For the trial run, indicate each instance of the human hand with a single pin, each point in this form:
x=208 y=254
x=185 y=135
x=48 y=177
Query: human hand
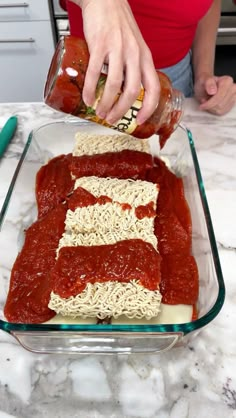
x=216 y=95
x=113 y=37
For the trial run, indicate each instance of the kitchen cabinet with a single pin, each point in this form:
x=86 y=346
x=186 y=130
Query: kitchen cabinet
x=17 y=10
x=26 y=49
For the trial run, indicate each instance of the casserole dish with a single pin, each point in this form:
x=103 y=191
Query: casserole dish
x=19 y=211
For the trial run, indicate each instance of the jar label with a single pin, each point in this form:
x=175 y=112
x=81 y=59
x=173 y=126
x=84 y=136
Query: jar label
x=128 y=122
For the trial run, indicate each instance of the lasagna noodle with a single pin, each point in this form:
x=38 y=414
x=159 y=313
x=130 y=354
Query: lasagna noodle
x=106 y=218
x=89 y=144
x=109 y=299
x=110 y=237
x=105 y=224
x=132 y=192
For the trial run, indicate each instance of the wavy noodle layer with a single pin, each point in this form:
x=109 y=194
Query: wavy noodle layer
x=133 y=192
x=111 y=237
x=106 y=218
x=89 y=144
x=109 y=299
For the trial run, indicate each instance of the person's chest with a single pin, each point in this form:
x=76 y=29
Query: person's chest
x=172 y=11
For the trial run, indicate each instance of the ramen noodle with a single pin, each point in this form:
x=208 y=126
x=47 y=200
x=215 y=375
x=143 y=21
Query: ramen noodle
x=110 y=299
x=104 y=218
x=89 y=144
x=132 y=192
x=70 y=239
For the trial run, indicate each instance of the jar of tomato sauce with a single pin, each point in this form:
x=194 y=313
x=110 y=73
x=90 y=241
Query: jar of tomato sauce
x=64 y=86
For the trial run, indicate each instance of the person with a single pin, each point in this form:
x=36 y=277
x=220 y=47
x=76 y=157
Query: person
x=136 y=37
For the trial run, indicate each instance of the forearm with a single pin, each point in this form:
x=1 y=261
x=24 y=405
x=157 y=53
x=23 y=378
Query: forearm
x=205 y=41
x=80 y=3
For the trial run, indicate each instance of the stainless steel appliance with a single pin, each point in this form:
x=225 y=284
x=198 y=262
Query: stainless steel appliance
x=225 y=57
x=58 y=10
x=227 y=28
x=60 y=20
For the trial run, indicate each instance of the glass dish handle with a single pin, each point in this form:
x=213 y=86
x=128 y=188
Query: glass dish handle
x=70 y=342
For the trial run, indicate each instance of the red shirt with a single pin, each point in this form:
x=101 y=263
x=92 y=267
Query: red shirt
x=168 y=26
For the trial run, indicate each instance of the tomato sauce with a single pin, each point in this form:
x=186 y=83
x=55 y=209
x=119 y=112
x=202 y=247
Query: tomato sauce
x=123 y=261
x=30 y=287
x=171 y=200
x=172 y=237
x=81 y=198
x=63 y=90
x=167 y=129
x=173 y=228
x=123 y=165
x=144 y=211
x=195 y=312
x=179 y=280
x=126 y=206
x=53 y=183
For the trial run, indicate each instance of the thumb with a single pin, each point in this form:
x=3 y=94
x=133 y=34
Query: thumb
x=211 y=86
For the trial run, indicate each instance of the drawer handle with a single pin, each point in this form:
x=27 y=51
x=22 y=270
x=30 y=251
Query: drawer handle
x=6 y=6
x=227 y=31
x=17 y=41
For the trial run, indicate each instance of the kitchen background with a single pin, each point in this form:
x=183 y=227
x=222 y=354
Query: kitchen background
x=30 y=30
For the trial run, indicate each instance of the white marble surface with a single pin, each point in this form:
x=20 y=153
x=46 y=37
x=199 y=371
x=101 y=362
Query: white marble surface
x=197 y=381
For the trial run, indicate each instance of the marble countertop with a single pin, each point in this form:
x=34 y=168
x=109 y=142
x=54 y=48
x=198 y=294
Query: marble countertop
x=197 y=381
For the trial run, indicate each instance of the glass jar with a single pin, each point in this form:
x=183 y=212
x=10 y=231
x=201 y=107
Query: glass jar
x=64 y=86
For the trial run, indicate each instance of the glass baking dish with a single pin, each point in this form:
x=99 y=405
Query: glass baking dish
x=19 y=211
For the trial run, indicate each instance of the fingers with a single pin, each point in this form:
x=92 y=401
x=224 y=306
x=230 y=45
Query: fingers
x=224 y=99
x=131 y=87
x=227 y=102
x=211 y=86
x=120 y=72
x=148 y=79
x=144 y=75
x=132 y=76
x=112 y=88
x=151 y=85
x=92 y=75
x=220 y=111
